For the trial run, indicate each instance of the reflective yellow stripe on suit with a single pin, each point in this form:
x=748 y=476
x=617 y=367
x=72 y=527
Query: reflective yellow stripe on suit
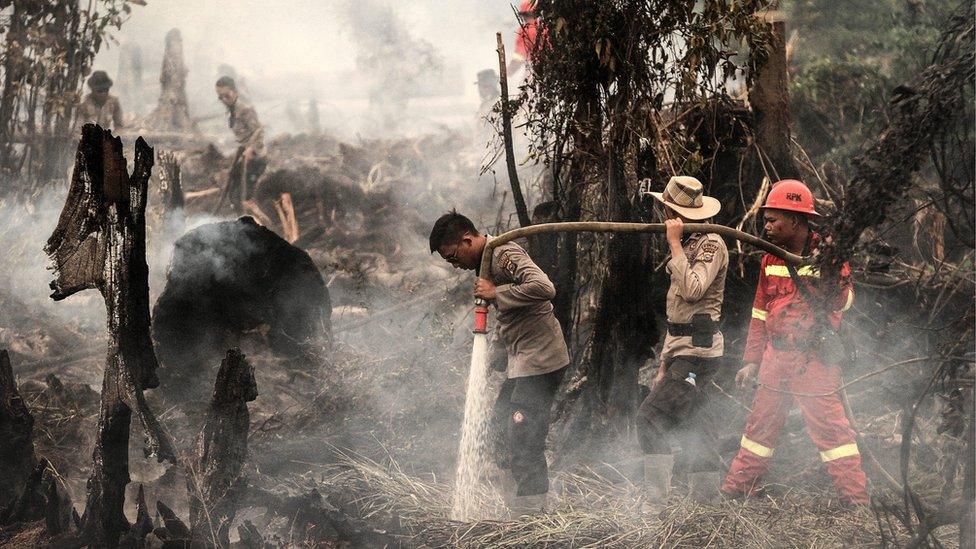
x=756 y=448
x=759 y=313
x=844 y=451
x=783 y=272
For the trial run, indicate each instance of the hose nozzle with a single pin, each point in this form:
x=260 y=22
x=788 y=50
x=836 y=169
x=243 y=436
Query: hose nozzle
x=480 y=316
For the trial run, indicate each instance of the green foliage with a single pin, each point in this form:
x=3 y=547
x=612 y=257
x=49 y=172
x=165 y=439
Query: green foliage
x=605 y=71
x=47 y=49
x=837 y=105
x=849 y=55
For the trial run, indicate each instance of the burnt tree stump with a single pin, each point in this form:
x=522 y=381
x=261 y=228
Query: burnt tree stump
x=217 y=482
x=100 y=242
x=16 y=428
x=44 y=496
x=172 y=112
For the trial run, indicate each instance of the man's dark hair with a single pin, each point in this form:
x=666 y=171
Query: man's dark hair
x=800 y=218
x=226 y=82
x=449 y=229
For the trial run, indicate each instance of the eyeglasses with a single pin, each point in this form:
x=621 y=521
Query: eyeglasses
x=454 y=255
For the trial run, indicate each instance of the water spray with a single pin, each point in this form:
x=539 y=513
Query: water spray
x=472 y=455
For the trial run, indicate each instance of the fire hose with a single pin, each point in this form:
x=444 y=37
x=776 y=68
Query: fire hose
x=481 y=307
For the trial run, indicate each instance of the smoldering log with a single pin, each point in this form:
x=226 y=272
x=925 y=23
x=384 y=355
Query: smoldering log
x=217 y=481
x=229 y=278
x=100 y=242
x=16 y=430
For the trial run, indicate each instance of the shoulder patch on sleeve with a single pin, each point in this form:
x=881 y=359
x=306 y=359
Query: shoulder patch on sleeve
x=509 y=265
x=505 y=264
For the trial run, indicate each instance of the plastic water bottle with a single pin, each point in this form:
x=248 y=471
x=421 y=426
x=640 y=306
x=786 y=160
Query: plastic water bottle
x=691 y=379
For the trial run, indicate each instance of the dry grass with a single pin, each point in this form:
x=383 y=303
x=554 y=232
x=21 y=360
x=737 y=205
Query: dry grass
x=592 y=511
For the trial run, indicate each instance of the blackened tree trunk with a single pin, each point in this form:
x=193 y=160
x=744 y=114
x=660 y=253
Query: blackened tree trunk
x=216 y=482
x=100 y=242
x=16 y=445
x=624 y=325
x=769 y=98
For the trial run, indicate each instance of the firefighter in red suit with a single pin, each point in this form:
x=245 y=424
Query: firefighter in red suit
x=784 y=348
x=525 y=37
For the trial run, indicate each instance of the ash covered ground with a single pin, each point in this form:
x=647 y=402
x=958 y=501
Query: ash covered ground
x=360 y=338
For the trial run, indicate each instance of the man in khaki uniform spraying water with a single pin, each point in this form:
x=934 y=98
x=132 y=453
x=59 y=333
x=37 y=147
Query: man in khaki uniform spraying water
x=693 y=345
x=537 y=355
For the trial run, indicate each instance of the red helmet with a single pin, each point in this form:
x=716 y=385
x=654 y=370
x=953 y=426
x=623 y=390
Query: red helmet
x=791 y=195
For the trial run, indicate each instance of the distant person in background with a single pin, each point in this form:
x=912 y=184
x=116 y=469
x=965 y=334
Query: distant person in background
x=99 y=107
x=525 y=37
x=251 y=159
x=488 y=90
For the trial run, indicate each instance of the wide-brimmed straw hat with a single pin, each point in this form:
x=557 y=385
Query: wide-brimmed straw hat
x=685 y=195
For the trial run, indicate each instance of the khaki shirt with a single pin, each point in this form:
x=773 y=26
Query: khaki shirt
x=108 y=116
x=247 y=129
x=532 y=335
x=697 y=286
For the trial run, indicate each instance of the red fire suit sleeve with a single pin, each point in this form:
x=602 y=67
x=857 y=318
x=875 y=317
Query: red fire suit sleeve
x=756 y=341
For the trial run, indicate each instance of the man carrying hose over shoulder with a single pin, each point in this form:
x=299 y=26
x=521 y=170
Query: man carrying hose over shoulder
x=793 y=347
x=693 y=345
x=537 y=354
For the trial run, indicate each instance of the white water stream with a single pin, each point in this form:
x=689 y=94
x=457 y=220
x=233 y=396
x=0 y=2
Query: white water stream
x=473 y=453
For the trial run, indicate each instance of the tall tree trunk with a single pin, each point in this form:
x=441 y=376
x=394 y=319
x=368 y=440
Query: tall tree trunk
x=769 y=97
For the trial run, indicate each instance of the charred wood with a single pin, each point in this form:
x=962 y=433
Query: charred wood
x=44 y=496
x=217 y=481
x=169 y=177
x=250 y=536
x=100 y=242
x=173 y=533
x=313 y=517
x=16 y=428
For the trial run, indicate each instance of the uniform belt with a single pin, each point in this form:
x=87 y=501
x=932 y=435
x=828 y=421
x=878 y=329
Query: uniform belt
x=679 y=329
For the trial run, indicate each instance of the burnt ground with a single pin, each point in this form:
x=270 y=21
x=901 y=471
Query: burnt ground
x=373 y=422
